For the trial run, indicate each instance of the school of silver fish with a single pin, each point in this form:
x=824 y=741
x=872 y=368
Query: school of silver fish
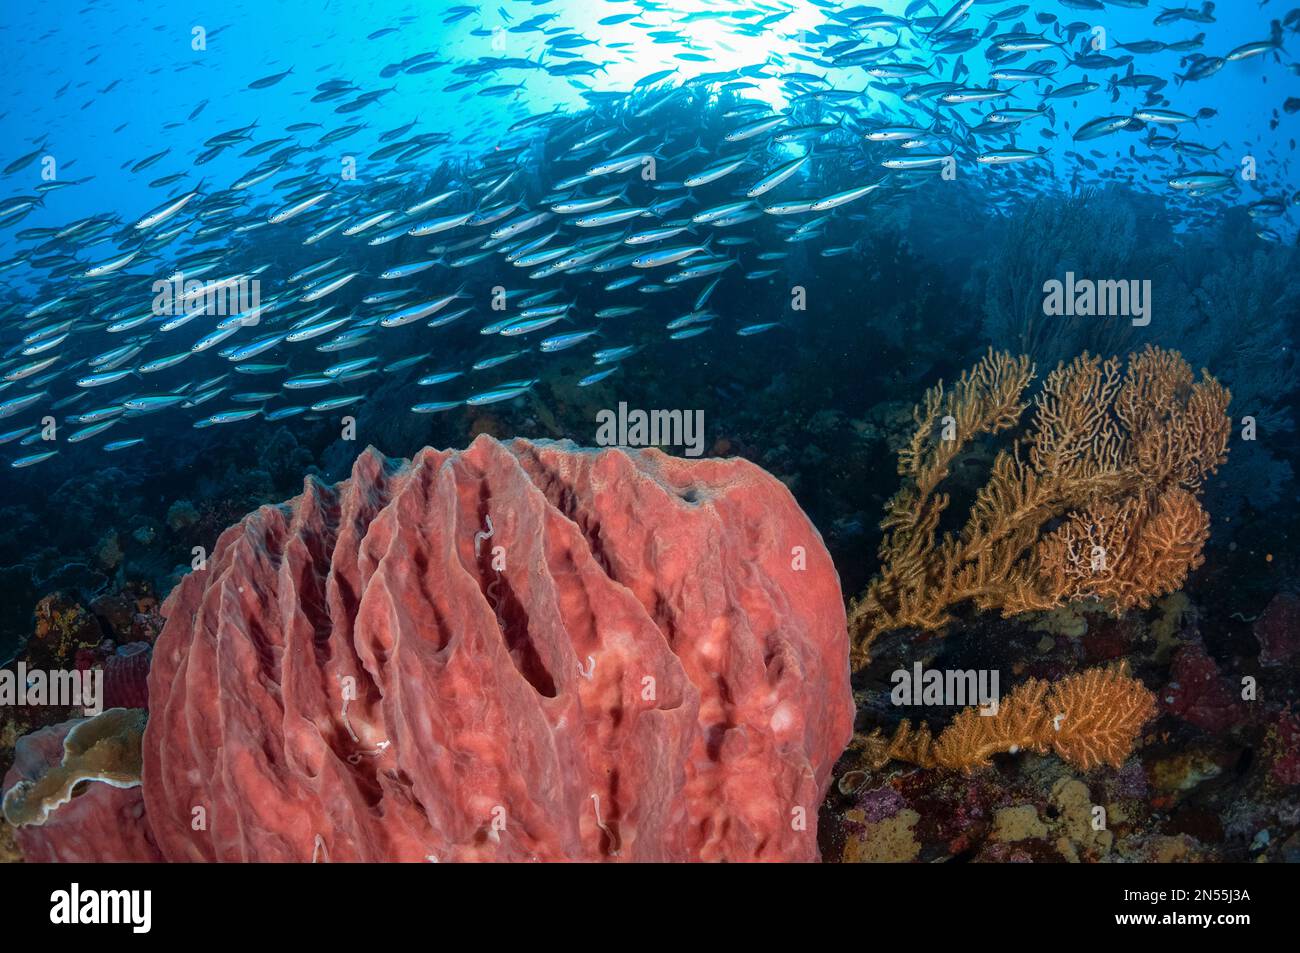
x=600 y=228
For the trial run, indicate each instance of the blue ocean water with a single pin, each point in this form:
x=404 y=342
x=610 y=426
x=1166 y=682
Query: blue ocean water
x=61 y=64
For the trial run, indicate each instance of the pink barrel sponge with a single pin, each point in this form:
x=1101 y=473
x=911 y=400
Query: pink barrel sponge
x=520 y=651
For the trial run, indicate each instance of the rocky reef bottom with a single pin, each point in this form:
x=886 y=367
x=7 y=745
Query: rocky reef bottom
x=1215 y=777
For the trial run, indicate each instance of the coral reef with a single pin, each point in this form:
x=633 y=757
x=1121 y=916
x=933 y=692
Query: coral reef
x=1212 y=777
x=1116 y=457
x=63 y=626
x=1198 y=693
x=1278 y=630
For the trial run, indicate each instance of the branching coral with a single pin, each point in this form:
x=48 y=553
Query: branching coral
x=1088 y=719
x=1095 y=499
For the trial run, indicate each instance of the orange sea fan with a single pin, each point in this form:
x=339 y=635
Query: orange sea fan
x=1088 y=719
x=1127 y=552
x=1095 y=716
x=1115 y=455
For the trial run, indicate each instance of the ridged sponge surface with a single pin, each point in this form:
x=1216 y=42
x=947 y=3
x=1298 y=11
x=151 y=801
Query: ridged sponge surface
x=520 y=651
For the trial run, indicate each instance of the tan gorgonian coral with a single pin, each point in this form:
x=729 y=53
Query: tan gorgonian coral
x=1089 y=718
x=1096 y=499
